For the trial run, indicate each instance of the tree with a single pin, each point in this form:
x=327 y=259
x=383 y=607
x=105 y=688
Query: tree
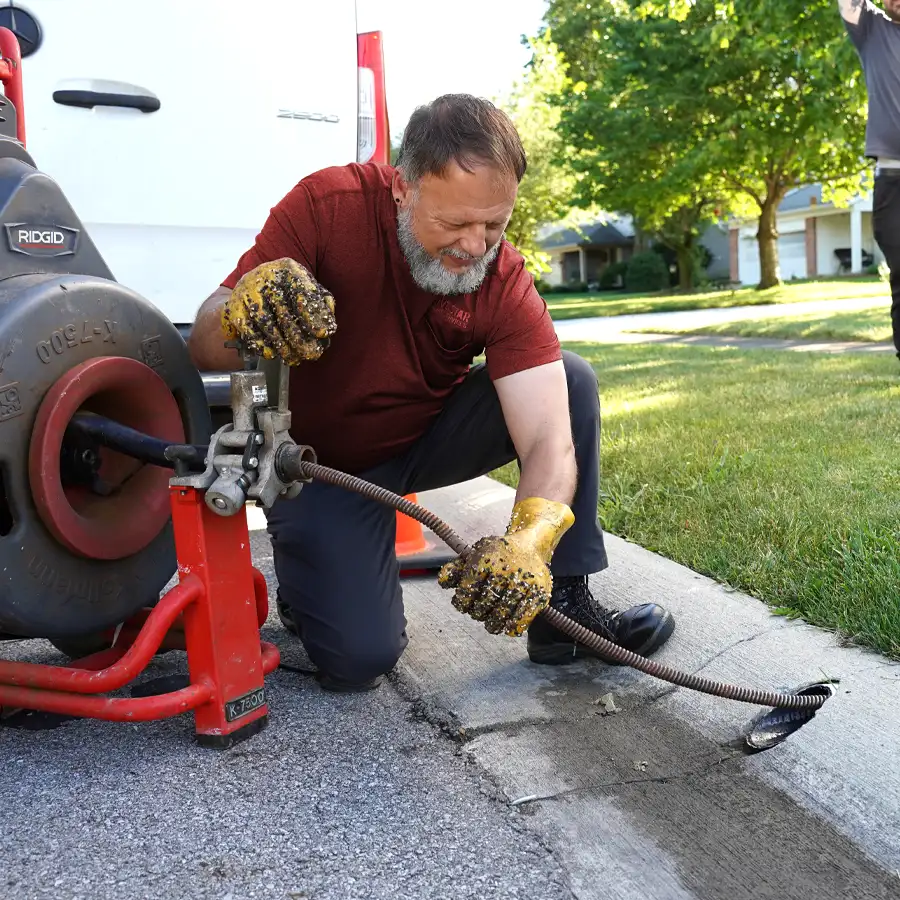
x=750 y=99
x=545 y=194
x=632 y=151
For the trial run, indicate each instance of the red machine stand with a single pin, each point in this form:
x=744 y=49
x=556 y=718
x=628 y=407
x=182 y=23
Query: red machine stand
x=214 y=613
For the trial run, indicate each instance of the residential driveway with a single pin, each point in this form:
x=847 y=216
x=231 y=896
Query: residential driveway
x=609 y=329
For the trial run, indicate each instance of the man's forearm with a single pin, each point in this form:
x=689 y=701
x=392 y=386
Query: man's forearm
x=206 y=344
x=550 y=472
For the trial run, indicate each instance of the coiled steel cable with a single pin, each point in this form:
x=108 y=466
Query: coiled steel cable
x=294 y=468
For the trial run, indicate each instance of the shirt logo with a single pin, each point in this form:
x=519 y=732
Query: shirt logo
x=452 y=313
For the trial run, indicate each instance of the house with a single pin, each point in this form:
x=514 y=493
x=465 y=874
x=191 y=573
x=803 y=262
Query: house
x=580 y=254
x=814 y=238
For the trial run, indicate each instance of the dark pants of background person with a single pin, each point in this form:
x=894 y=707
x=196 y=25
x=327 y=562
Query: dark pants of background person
x=886 y=224
x=334 y=550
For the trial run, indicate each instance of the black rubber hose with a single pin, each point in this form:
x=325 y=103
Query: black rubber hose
x=293 y=468
x=140 y=446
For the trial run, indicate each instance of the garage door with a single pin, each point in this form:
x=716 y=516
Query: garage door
x=791 y=257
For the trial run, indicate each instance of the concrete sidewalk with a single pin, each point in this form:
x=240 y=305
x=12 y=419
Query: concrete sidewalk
x=585 y=329
x=742 y=343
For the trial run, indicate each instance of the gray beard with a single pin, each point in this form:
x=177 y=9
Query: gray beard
x=429 y=273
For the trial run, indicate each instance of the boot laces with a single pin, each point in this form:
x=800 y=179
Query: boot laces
x=573 y=598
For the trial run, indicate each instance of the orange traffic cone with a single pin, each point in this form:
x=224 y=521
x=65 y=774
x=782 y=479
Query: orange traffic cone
x=416 y=553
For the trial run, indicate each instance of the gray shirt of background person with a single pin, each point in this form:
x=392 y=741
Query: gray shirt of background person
x=877 y=40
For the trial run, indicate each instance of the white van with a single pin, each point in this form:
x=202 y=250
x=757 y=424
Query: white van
x=174 y=126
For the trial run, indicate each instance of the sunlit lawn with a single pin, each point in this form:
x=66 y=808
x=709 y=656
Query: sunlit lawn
x=869 y=324
x=573 y=306
x=774 y=473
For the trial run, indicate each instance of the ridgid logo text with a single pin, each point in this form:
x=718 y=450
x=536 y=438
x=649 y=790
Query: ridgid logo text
x=41 y=240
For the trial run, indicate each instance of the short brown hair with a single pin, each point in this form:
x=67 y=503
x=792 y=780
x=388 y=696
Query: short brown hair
x=463 y=129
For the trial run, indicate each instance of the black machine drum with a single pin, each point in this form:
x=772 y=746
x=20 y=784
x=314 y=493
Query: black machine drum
x=58 y=312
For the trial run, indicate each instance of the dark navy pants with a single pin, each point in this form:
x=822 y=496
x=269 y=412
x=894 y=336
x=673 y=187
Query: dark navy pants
x=334 y=550
x=886 y=225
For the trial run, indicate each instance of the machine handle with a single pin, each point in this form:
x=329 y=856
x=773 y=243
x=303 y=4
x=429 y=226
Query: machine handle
x=107 y=93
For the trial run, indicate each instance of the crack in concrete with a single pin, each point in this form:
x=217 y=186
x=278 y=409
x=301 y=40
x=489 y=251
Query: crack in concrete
x=873 y=668
x=730 y=647
x=509 y=729
x=662 y=695
x=658 y=779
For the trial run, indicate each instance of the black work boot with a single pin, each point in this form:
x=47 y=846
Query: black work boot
x=642 y=629
x=339 y=686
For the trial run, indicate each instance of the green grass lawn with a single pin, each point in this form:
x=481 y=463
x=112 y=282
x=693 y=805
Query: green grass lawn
x=575 y=306
x=774 y=473
x=869 y=324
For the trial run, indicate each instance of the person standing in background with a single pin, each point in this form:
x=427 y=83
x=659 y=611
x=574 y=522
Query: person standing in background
x=875 y=33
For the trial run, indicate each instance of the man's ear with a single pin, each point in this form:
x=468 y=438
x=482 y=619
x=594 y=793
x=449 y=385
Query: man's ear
x=402 y=190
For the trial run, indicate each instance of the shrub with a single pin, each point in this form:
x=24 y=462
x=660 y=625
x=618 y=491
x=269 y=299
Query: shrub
x=646 y=272
x=612 y=274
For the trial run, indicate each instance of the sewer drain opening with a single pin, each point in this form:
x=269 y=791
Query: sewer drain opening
x=774 y=727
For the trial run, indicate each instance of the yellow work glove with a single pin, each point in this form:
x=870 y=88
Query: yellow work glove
x=279 y=310
x=505 y=581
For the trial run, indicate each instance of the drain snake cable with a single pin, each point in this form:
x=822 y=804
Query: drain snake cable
x=607 y=649
x=293 y=467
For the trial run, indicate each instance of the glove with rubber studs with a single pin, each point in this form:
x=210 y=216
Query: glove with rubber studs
x=505 y=581
x=278 y=310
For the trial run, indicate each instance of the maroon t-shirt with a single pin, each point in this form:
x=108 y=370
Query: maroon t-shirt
x=398 y=350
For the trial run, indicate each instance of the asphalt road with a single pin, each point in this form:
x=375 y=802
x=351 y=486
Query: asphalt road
x=342 y=797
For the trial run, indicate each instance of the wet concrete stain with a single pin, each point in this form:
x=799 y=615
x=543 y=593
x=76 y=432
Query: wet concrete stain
x=721 y=831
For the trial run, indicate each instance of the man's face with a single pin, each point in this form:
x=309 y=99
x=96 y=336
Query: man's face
x=892 y=8
x=450 y=227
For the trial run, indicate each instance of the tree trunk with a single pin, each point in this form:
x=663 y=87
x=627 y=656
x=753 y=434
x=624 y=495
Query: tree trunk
x=641 y=239
x=685 y=255
x=767 y=238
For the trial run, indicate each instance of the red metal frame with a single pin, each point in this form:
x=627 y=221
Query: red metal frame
x=214 y=612
x=370 y=55
x=11 y=76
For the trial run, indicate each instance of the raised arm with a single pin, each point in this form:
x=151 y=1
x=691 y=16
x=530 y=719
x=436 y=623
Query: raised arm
x=851 y=10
